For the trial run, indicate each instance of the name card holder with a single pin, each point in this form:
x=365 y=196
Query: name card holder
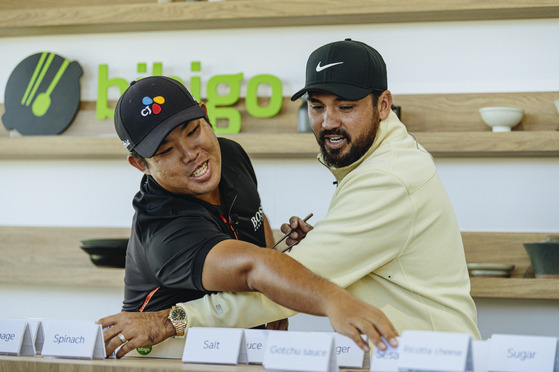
x=514 y=353
x=348 y=354
x=215 y=346
x=300 y=351
x=435 y=351
x=480 y=352
x=15 y=338
x=73 y=339
x=385 y=360
x=256 y=344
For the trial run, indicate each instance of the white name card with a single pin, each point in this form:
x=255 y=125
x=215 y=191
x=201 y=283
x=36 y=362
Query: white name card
x=15 y=338
x=36 y=329
x=435 y=351
x=215 y=346
x=73 y=339
x=513 y=353
x=385 y=360
x=37 y=334
x=256 y=344
x=300 y=351
x=349 y=354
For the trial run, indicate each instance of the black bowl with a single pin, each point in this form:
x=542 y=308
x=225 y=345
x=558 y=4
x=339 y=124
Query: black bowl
x=545 y=258
x=106 y=252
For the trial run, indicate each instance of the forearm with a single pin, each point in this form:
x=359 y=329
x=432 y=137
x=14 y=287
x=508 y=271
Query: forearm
x=235 y=266
x=290 y=284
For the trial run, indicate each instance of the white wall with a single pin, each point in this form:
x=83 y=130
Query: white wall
x=447 y=57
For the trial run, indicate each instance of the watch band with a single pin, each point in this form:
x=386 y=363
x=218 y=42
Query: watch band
x=178 y=318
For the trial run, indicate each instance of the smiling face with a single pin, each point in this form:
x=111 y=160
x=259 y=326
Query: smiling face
x=344 y=129
x=187 y=162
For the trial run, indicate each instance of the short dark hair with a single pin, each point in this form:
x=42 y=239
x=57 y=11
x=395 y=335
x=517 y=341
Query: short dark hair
x=375 y=94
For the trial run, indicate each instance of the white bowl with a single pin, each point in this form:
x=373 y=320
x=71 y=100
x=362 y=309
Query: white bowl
x=501 y=119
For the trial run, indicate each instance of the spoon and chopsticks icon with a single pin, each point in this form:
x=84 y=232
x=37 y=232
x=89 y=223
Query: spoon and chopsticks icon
x=286 y=235
x=42 y=101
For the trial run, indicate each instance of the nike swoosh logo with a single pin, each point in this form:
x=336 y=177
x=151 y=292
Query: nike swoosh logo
x=320 y=68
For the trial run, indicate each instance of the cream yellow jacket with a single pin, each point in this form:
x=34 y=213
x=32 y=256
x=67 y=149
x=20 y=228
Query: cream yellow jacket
x=390 y=237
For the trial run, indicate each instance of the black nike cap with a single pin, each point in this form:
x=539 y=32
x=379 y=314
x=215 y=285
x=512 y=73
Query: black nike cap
x=349 y=69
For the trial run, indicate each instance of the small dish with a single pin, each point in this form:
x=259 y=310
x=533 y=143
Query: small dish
x=501 y=119
x=106 y=252
x=490 y=270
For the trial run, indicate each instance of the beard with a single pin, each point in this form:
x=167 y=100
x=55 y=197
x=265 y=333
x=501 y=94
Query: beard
x=357 y=146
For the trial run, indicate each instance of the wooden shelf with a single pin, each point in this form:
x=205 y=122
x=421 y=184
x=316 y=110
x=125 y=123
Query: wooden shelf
x=521 y=288
x=51 y=256
x=258 y=13
x=302 y=145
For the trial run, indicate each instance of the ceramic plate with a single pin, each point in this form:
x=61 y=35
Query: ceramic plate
x=487 y=266
x=493 y=270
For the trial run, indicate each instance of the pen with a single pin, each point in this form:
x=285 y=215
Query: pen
x=286 y=235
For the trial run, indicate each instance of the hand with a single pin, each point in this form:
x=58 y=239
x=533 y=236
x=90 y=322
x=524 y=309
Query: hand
x=140 y=329
x=278 y=325
x=297 y=229
x=353 y=317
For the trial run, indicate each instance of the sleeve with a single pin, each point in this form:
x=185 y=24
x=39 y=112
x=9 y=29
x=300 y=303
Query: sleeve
x=176 y=251
x=234 y=310
x=368 y=224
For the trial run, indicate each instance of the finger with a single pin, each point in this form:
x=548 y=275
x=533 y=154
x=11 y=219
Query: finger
x=284 y=324
x=126 y=348
x=111 y=332
x=285 y=228
x=370 y=330
x=295 y=222
x=387 y=330
x=113 y=344
x=107 y=321
x=355 y=335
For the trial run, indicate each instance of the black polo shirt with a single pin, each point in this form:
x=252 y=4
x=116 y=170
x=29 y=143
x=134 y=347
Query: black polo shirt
x=172 y=234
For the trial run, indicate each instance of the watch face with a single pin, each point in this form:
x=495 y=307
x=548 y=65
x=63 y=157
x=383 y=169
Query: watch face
x=178 y=314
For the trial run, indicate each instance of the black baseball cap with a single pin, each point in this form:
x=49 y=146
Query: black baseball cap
x=150 y=109
x=349 y=69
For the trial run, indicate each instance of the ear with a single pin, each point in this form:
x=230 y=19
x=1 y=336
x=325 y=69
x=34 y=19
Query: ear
x=385 y=104
x=203 y=106
x=138 y=164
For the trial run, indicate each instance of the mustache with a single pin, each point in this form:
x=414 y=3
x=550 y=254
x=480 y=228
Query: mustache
x=334 y=132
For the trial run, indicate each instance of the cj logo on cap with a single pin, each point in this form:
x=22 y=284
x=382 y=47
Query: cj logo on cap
x=155 y=105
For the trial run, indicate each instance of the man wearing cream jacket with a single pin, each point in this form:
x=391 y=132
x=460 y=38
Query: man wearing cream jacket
x=390 y=236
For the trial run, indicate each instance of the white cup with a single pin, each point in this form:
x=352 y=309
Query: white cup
x=557 y=104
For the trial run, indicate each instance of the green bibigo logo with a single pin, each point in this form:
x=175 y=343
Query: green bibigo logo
x=143 y=350
x=220 y=102
x=42 y=95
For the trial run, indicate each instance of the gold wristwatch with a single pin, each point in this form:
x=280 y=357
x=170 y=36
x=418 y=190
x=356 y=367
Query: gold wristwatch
x=177 y=316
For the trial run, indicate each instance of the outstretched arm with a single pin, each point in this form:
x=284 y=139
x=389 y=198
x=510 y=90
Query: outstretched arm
x=239 y=266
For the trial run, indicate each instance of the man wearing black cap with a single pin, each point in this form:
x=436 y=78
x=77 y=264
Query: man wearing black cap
x=390 y=236
x=198 y=226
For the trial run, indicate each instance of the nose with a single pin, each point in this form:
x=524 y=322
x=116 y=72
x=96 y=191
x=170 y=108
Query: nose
x=330 y=119
x=188 y=153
